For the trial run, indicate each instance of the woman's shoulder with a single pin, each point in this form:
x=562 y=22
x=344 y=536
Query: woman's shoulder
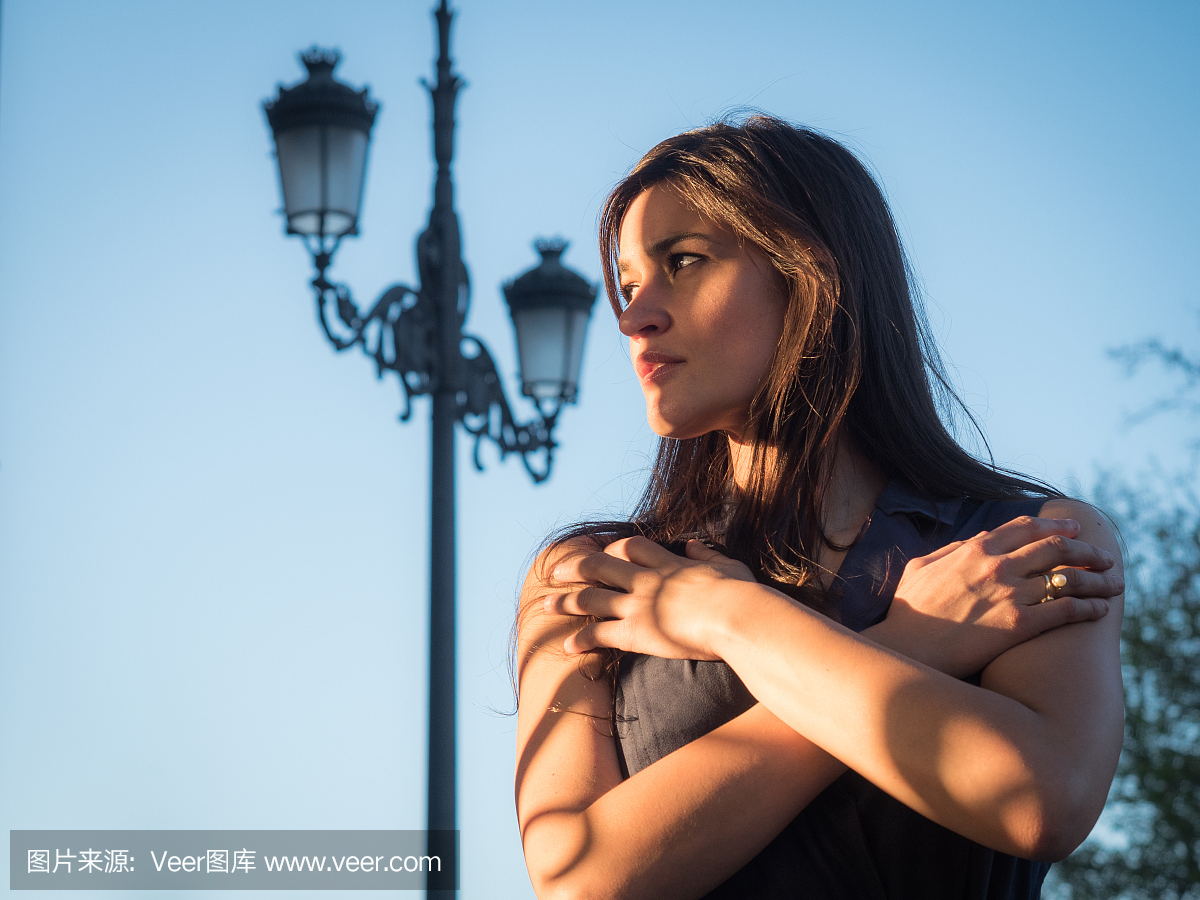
x=562 y=545
x=557 y=551
x=537 y=631
x=1094 y=526
x=540 y=580
x=953 y=517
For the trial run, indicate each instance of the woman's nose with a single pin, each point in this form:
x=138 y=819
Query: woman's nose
x=644 y=315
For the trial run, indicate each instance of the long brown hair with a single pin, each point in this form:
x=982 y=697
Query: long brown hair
x=855 y=357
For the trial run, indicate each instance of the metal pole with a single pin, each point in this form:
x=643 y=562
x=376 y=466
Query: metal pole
x=449 y=292
x=425 y=351
x=442 y=744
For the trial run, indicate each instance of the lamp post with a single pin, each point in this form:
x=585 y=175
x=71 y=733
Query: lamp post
x=322 y=130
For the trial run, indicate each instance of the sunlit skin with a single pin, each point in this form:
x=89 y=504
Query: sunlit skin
x=1022 y=765
x=703 y=311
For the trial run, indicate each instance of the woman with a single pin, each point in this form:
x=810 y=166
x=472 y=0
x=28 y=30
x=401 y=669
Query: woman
x=764 y=292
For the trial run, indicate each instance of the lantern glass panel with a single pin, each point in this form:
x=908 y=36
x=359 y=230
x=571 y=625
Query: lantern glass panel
x=577 y=320
x=540 y=345
x=299 y=153
x=321 y=171
x=550 y=347
x=346 y=161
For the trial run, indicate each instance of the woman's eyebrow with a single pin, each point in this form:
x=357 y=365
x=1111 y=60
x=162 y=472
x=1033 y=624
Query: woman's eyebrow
x=668 y=242
x=661 y=247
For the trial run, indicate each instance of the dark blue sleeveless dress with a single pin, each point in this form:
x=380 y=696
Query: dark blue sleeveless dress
x=853 y=840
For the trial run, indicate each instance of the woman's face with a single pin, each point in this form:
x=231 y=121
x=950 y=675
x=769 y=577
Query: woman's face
x=703 y=312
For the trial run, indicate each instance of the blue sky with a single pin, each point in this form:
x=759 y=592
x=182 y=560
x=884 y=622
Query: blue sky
x=212 y=530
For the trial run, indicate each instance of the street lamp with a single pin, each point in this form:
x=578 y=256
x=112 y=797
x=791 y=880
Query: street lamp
x=322 y=130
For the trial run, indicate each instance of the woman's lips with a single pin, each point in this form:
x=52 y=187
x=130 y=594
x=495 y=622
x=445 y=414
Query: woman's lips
x=651 y=364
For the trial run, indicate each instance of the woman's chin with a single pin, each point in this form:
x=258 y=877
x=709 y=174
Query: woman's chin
x=679 y=430
x=665 y=429
x=682 y=424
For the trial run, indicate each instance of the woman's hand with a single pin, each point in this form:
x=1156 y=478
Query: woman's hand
x=955 y=610
x=649 y=600
x=960 y=607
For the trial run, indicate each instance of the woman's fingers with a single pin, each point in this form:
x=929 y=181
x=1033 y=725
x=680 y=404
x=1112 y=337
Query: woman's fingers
x=590 y=601
x=1080 y=583
x=597 y=568
x=641 y=551
x=701 y=552
x=646 y=598
x=1024 y=530
x=617 y=565
x=1057 y=551
x=1065 y=610
x=595 y=635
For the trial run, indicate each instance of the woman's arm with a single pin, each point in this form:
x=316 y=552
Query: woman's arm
x=1023 y=766
x=687 y=822
x=676 y=829
x=1070 y=678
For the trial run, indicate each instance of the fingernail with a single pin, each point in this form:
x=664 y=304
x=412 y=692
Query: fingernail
x=557 y=572
x=1107 y=557
x=548 y=603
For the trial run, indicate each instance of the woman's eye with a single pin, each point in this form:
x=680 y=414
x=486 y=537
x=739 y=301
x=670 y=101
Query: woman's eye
x=627 y=291
x=679 y=261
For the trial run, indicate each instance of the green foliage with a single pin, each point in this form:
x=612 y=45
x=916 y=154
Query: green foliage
x=1150 y=849
x=1155 y=799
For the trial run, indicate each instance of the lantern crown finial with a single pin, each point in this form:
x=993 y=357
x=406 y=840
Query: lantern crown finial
x=320 y=62
x=550 y=283
x=551 y=249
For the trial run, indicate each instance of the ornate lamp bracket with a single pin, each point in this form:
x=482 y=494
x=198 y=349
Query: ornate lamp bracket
x=400 y=334
x=485 y=413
